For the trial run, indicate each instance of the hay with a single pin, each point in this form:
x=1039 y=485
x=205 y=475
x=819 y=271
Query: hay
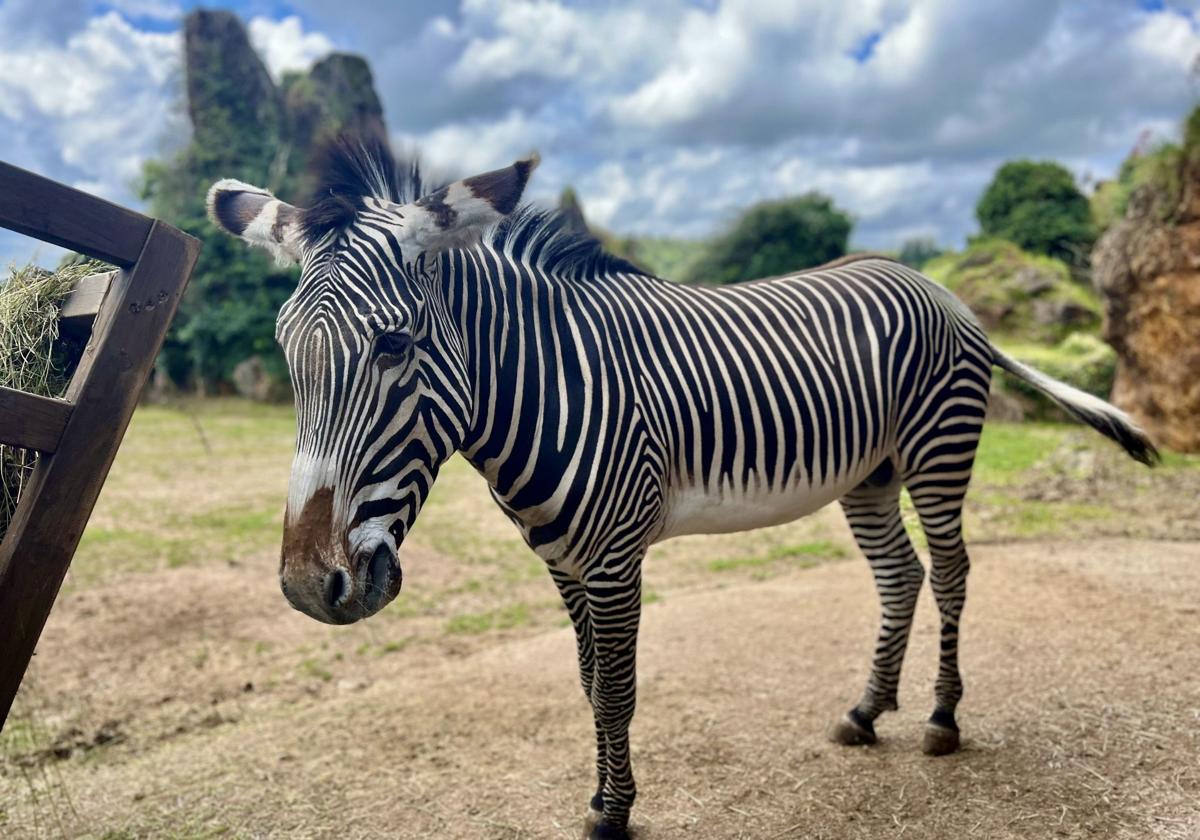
x=33 y=356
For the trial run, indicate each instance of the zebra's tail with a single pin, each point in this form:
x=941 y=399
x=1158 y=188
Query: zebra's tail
x=1107 y=419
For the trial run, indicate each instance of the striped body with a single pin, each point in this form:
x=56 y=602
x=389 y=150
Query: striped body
x=648 y=410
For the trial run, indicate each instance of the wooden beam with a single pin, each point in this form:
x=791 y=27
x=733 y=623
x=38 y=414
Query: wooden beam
x=53 y=212
x=30 y=421
x=81 y=305
x=60 y=495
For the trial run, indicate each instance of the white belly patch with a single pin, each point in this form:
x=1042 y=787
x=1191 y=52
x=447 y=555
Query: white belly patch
x=697 y=510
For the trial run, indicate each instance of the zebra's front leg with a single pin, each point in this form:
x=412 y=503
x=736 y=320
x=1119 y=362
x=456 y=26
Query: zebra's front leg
x=575 y=598
x=614 y=596
x=873 y=511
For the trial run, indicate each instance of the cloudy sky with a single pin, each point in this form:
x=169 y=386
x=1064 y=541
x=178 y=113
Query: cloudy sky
x=666 y=116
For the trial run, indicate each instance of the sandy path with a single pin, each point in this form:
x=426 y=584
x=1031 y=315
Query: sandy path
x=1082 y=719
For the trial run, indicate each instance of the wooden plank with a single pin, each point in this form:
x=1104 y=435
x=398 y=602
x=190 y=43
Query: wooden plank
x=63 y=488
x=81 y=305
x=31 y=421
x=53 y=212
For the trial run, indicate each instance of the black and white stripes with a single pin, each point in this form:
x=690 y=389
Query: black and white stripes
x=609 y=409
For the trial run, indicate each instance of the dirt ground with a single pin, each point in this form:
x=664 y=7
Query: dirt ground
x=1082 y=717
x=184 y=699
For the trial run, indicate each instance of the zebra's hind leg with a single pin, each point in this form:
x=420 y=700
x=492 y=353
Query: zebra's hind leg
x=873 y=511
x=938 y=498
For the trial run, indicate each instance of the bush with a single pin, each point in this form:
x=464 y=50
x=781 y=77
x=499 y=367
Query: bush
x=1038 y=207
x=1157 y=169
x=775 y=237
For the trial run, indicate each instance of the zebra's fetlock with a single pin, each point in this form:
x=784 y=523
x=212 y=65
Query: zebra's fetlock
x=941 y=733
x=596 y=809
x=854 y=730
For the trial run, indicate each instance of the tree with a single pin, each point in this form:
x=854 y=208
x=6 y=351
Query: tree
x=1037 y=206
x=916 y=252
x=775 y=237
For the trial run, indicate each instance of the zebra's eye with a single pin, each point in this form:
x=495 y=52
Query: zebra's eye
x=394 y=344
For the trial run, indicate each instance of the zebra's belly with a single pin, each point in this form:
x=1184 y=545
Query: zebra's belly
x=697 y=510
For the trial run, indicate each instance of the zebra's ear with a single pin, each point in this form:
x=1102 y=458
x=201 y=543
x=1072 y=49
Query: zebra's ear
x=256 y=216
x=457 y=213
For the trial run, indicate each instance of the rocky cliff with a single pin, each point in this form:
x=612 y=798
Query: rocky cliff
x=237 y=110
x=1147 y=270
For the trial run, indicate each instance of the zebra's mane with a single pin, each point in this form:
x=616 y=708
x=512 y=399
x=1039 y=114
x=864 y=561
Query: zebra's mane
x=547 y=240
x=350 y=169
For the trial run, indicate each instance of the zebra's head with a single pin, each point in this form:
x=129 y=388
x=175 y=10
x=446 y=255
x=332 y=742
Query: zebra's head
x=378 y=368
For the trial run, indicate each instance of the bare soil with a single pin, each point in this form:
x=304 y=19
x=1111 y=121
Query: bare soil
x=1082 y=714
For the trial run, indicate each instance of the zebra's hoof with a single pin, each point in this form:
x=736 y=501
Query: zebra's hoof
x=853 y=730
x=939 y=740
x=608 y=831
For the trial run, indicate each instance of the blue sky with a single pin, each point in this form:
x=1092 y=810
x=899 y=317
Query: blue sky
x=667 y=117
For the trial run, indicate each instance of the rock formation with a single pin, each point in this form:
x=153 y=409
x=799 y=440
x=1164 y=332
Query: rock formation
x=1147 y=270
x=238 y=112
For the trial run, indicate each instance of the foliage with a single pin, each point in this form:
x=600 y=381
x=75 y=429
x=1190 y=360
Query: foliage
x=668 y=257
x=775 y=237
x=228 y=313
x=1037 y=206
x=1157 y=169
x=915 y=253
x=33 y=357
x=1015 y=293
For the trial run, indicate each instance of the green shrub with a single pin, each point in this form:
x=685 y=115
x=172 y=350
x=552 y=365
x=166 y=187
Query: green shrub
x=775 y=237
x=1038 y=206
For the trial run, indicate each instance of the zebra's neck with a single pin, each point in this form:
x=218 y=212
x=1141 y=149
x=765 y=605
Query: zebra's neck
x=526 y=355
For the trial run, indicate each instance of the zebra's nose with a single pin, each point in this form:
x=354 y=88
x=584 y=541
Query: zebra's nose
x=338 y=587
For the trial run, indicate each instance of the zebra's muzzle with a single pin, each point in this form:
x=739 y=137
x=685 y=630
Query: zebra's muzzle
x=381 y=576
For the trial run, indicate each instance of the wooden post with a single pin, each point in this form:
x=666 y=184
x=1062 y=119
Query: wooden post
x=78 y=438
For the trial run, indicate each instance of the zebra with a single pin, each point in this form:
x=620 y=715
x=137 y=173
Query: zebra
x=609 y=409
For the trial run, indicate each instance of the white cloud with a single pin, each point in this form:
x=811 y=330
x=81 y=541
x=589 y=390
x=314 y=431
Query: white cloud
x=469 y=148
x=669 y=116
x=91 y=109
x=284 y=45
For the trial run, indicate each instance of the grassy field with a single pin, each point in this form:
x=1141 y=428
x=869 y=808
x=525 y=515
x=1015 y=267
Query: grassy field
x=205 y=483
x=171 y=625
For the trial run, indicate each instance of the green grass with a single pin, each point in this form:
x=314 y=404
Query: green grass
x=313 y=668
x=1008 y=450
x=505 y=618
x=802 y=555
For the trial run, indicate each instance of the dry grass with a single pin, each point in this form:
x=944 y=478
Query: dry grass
x=33 y=358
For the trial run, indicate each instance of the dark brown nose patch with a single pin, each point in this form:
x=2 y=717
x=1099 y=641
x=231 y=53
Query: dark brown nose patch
x=312 y=530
